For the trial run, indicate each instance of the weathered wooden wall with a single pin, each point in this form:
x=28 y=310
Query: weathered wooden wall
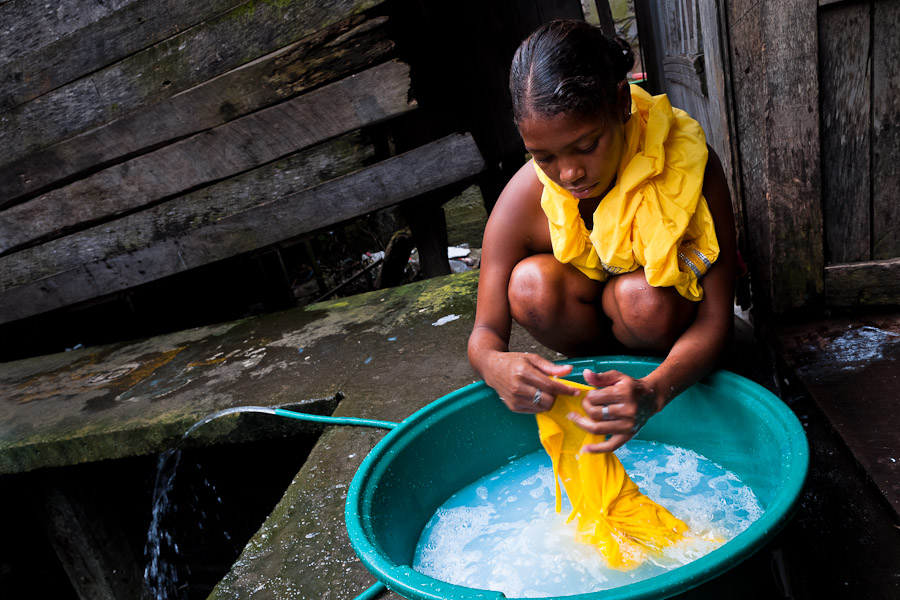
x=144 y=138
x=816 y=102
x=860 y=89
x=772 y=46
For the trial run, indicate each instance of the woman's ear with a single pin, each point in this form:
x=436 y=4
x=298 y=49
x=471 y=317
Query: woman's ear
x=623 y=100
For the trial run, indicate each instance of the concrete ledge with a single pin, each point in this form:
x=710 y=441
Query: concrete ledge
x=302 y=550
x=381 y=355
x=140 y=397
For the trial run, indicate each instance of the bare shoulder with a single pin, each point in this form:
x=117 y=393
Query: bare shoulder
x=517 y=220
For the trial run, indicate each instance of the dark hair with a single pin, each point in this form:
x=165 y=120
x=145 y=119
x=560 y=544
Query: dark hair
x=568 y=66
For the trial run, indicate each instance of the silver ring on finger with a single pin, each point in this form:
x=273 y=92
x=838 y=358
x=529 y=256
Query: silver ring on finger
x=604 y=410
x=537 y=397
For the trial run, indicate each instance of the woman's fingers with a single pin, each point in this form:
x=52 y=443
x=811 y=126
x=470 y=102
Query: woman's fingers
x=614 y=442
x=611 y=425
x=537 y=390
x=604 y=379
x=617 y=430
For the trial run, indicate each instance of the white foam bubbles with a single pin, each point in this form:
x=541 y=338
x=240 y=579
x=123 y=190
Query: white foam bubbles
x=502 y=532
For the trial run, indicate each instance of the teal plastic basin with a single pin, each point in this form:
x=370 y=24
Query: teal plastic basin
x=466 y=434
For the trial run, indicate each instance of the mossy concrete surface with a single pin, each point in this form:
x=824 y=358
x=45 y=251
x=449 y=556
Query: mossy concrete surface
x=140 y=397
x=302 y=550
x=381 y=355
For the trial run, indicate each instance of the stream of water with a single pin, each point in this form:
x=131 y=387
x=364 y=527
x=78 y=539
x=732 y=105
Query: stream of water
x=180 y=514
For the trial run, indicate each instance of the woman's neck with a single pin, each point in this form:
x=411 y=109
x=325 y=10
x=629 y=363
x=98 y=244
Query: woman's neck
x=587 y=206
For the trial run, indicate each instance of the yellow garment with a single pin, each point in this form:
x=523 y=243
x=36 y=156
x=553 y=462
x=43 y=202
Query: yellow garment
x=611 y=512
x=655 y=216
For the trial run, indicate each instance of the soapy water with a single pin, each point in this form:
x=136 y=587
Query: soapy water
x=503 y=533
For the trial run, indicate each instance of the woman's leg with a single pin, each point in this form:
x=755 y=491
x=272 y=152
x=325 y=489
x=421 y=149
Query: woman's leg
x=646 y=318
x=560 y=306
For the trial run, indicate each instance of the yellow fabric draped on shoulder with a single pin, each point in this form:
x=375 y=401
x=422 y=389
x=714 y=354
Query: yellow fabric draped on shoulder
x=609 y=509
x=655 y=216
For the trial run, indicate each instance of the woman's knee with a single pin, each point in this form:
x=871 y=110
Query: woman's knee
x=536 y=295
x=646 y=317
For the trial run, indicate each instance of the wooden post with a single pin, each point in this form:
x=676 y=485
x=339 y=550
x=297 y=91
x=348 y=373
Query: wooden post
x=774 y=49
x=794 y=187
x=598 y=12
x=93 y=551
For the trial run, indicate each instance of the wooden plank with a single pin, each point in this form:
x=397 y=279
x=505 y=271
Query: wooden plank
x=849 y=365
x=598 y=12
x=746 y=47
x=863 y=283
x=167 y=68
x=175 y=217
x=136 y=26
x=27 y=25
x=718 y=77
x=237 y=146
x=91 y=547
x=427 y=168
x=793 y=187
x=341 y=49
x=845 y=89
x=886 y=131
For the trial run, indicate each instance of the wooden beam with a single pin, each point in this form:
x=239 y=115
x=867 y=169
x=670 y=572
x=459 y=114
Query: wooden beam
x=599 y=13
x=92 y=549
x=29 y=26
x=745 y=49
x=845 y=53
x=134 y=27
x=407 y=175
x=178 y=63
x=281 y=178
x=885 y=131
x=791 y=159
x=363 y=99
x=863 y=283
x=328 y=55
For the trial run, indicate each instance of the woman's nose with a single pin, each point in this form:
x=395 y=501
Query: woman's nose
x=570 y=172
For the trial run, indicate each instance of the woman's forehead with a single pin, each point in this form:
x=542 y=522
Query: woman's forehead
x=559 y=131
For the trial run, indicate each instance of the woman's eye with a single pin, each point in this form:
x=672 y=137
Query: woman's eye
x=590 y=148
x=543 y=160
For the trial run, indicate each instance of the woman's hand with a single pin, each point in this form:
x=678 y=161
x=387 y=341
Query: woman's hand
x=618 y=408
x=517 y=377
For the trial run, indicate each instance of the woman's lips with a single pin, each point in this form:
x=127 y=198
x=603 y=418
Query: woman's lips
x=584 y=192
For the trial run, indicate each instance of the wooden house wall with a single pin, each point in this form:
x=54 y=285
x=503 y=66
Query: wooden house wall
x=147 y=138
x=141 y=140
x=816 y=114
x=777 y=120
x=132 y=138
x=860 y=98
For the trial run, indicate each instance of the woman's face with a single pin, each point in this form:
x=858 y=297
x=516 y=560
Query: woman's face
x=580 y=155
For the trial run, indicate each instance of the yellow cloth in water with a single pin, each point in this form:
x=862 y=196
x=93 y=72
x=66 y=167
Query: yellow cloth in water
x=611 y=512
x=655 y=216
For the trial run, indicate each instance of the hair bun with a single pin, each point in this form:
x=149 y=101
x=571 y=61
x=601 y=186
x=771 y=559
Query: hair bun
x=624 y=57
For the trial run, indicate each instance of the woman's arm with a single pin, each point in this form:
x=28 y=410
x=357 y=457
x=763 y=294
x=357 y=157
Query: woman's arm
x=515 y=230
x=693 y=355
